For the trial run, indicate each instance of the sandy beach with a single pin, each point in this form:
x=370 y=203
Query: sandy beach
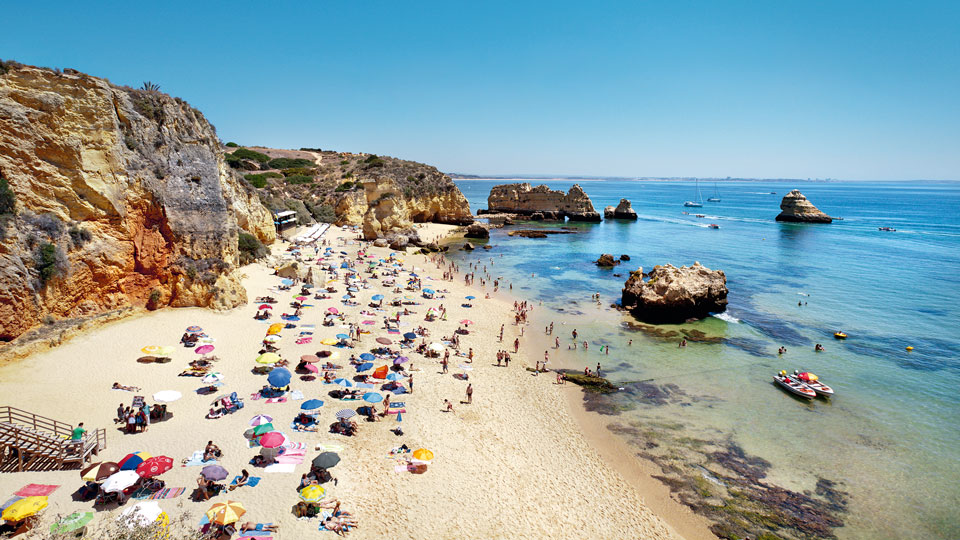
x=513 y=463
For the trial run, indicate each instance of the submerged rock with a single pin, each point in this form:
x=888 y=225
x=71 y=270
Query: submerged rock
x=624 y=257
x=674 y=295
x=796 y=208
x=468 y=246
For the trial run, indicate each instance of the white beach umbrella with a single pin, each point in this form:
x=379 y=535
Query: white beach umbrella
x=167 y=396
x=141 y=514
x=213 y=378
x=120 y=481
x=436 y=346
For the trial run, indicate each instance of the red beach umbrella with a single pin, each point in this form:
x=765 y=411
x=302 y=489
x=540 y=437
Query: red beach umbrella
x=265 y=306
x=155 y=466
x=272 y=439
x=310 y=358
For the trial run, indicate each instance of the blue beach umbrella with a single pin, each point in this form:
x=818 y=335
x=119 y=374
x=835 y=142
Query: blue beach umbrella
x=372 y=397
x=279 y=377
x=344 y=265
x=345 y=297
x=311 y=404
x=365 y=366
x=343 y=336
x=367 y=356
x=365 y=385
x=377 y=297
x=352 y=289
x=394 y=377
x=471 y=297
x=343 y=382
x=410 y=335
x=428 y=291
x=286 y=281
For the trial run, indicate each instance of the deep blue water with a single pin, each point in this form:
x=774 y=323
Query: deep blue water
x=887 y=290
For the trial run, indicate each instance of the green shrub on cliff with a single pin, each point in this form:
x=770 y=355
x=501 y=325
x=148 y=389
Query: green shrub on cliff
x=246 y=153
x=251 y=249
x=8 y=201
x=346 y=186
x=287 y=163
x=323 y=213
x=304 y=171
x=260 y=180
x=232 y=145
x=50 y=262
x=299 y=179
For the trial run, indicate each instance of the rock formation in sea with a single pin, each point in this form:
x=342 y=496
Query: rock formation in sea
x=477 y=230
x=674 y=295
x=541 y=202
x=622 y=211
x=122 y=198
x=796 y=208
x=606 y=260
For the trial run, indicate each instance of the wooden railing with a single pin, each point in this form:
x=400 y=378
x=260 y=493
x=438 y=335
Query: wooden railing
x=35 y=439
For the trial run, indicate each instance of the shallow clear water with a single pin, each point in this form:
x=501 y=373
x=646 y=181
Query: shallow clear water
x=890 y=434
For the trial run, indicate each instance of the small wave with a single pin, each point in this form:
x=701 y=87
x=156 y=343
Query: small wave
x=726 y=317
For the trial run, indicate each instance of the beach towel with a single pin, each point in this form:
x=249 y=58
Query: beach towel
x=281 y=468
x=391 y=331
x=304 y=340
x=36 y=490
x=165 y=493
x=255 y=396
x=251 y=482
x=277 y=400
x=296 y=395
x=295 y=445
x=257 y=530
x=396 y=411
x=196 y=460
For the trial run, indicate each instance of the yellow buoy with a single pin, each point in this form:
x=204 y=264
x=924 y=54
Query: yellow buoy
x=909 y=348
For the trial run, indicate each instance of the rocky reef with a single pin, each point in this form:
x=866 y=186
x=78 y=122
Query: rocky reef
x=622 y=211
x=797 y=209
x=121 y=199
x=675 y=295
x=606 y=260
x=541 y=202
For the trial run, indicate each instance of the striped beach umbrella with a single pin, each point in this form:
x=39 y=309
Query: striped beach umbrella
x=346 y=413
x=99 y=471
x=225 y=513
x=130 y=462
x=260 y=420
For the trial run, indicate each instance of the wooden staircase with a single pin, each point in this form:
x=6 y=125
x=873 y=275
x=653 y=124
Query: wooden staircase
x=32 y=442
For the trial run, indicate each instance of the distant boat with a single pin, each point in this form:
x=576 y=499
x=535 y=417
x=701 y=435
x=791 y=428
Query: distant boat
x=699 y=202
x=716 y=194
x=713 y=226
x=888 y=229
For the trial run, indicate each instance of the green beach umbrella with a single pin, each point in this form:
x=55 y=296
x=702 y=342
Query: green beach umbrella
x=263 y=428
x=72 y=522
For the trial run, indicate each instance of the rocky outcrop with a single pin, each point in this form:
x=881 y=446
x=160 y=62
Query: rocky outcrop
x=624 y=257
x=607 y=260
x=796 y=208
x=608 y=212
x=121 y=195
x=477 y=230
x=624 y=210
x=468 y=247
x=524 y=199
x=674 y=295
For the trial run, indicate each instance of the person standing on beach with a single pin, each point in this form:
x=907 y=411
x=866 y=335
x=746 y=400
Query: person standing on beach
x=574 y=334
x=445 y=363
x=470 y=393
x=516 y=345
x=501 y=333
x=411 y=381
x=556 y=342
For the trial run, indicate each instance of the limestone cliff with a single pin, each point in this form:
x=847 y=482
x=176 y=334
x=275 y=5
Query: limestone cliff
x=122 y=199
x=527 y=200
x=674 y=295
x=796 y=208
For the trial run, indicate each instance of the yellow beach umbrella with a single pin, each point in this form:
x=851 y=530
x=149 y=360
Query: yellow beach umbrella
x=224 y=513
x=313 y=493
x=275 y=328
x=268 y=358
x=160 y=350
x=24 y=508
x=422 y=454
x=329 y=341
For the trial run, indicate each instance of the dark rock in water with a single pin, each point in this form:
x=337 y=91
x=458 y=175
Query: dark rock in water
x=468 y=246
x=477 y=230
x=797 y=209
x=589 y=383
x=675 y=295
x=538 y=233
x=607 y=260
x=488 y=246
x=608 y=212
x=431 y=247
x=624 y=257
x=617 y=275
x=536 y=216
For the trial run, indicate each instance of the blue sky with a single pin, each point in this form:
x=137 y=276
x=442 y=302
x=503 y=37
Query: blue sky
x=854 y=90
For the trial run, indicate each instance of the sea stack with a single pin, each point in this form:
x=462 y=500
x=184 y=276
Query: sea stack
x=541 y=202
x=797 y=209
x=673 y=295
x=624 y=210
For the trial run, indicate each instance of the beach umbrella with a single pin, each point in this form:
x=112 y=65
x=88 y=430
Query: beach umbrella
x=311 y=368
x=352 y=289
x=24 y=508
x=275 y=328
x=399 y=418
x=141 y=514
x=346 y=413
x=310 y=358
x=466 y=322
x=265 y=306
x=429 y=291
x=194 y=329
x=465 y=367
x=364 y=385
x=204 y=349
x=71 y=523
x=120 y=481
x=158 y=350
x=262 y=429
x=436 y=346
x=372 y=397
x=286 y=282
x=273 y=338
x=367 y=356
x=130 y=462
x=329 y=341
x=99 y=471
x=313 y=493
x=400 y=360
x=369 y=322
x=307 y=286
x=326 y=460
x=279 y=377
x=365 y=366
x=380 y=372
x=300 y=298
x=343 y=382
x=384 y=341
x=212 y=378
x=214 y=473
x=394 y=377
x=218 y=398
x=422 y=454
x=471 y=297
x=225 y=513
x=274 y=439
x=154 y=466
x=377 y=297
x=345 y=297
x=167 y=396
x=268 y=358
x=410 y=335
x=260 y=419
x=311 y=404
x=343 y=336
x=332 y=310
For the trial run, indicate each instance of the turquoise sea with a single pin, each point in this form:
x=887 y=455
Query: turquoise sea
x=890 y=437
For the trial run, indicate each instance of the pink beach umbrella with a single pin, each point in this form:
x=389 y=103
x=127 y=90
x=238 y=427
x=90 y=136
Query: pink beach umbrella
x=312 y=368
x=265 y=306
x=204 y=349
x=369 y=322
x=260 y=419
x=272 y=439
x=332 y=310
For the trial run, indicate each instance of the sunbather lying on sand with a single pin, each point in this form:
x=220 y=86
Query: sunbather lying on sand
x=340 y=525
x=118 y=386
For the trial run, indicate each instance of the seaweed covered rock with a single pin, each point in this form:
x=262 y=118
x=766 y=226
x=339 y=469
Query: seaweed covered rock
x=675 y=295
